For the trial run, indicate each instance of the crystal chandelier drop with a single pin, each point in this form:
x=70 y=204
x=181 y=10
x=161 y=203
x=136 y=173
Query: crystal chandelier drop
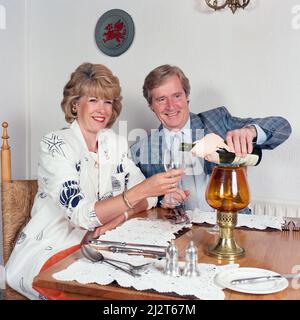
x=232 y=4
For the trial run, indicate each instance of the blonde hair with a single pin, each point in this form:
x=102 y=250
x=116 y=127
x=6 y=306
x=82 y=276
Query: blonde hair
x=159 y=75
x=91 y=80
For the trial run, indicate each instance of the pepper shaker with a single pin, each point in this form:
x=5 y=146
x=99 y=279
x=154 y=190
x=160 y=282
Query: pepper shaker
x=172 y=267
x=191 y=261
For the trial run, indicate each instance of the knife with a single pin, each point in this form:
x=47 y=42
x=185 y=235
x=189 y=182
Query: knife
x=160 y=254
x=156 y=254
x=265 y=278
x=124 y=244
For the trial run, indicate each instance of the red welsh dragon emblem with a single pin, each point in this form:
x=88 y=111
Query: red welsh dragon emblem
x=115 y=31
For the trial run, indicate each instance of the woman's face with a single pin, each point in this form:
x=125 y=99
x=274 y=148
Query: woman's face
x=93 y=114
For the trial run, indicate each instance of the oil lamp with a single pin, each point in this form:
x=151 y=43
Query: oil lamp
x=227 y=192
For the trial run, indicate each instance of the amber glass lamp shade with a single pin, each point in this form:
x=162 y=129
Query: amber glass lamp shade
x=228 y=192
x=228 y=189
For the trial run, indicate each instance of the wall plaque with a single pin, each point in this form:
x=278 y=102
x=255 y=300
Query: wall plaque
x=114 y=32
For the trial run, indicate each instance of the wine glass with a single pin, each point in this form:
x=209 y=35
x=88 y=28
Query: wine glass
x=181 y=215
x=175 y=160
x=170 y=161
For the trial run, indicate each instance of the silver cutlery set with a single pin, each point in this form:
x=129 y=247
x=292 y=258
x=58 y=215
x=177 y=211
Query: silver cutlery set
x=92 y=252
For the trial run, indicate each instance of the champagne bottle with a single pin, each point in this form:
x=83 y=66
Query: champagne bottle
x=227 y=157
x=252 y=159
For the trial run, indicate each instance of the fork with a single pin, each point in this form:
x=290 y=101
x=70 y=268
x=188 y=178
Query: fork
x=131 y=266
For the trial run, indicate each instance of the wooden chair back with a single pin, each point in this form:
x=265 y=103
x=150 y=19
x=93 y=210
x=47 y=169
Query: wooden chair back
x=17 y=198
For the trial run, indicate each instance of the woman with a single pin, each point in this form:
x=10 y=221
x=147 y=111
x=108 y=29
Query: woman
x=86 y=182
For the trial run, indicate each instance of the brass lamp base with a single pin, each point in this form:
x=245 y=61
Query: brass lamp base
x=226 y=247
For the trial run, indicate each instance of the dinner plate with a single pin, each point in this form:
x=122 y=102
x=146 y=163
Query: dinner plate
x=224 y=279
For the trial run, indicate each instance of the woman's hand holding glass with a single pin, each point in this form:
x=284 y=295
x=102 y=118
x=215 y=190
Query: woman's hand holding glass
x=162 y=183
x=173 y=159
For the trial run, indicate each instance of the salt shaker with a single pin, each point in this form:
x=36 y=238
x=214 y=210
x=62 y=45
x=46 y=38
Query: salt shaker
x=172 y=267
x=191 y=261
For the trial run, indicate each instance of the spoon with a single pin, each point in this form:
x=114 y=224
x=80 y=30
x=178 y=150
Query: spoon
x=96 y=256
x=131 y=266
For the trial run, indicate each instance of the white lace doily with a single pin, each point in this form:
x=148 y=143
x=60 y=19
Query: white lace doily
x=145 y=231
x=152 y=277
x=260 y=222
x=159 y=232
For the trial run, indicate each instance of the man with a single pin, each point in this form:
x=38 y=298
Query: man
x=167 y=90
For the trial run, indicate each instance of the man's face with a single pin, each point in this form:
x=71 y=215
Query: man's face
x=170 y=104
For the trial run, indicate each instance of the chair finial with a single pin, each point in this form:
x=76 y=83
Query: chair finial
x=5 y=155
x=5 y=136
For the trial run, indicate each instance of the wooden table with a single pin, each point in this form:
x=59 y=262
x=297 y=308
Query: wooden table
x=273 y=250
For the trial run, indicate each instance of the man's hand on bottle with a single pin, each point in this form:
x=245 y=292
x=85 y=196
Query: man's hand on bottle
x=207 y=146
x=240 y=141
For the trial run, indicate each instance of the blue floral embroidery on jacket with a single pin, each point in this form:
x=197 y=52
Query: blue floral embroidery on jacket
x=126 y=180
x=120 y=168
x=78 y=166
x=70 y=194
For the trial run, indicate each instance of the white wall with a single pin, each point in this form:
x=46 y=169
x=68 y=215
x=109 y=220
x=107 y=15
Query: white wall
x=12 y=81
x=248 y=62
x=12 y=84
